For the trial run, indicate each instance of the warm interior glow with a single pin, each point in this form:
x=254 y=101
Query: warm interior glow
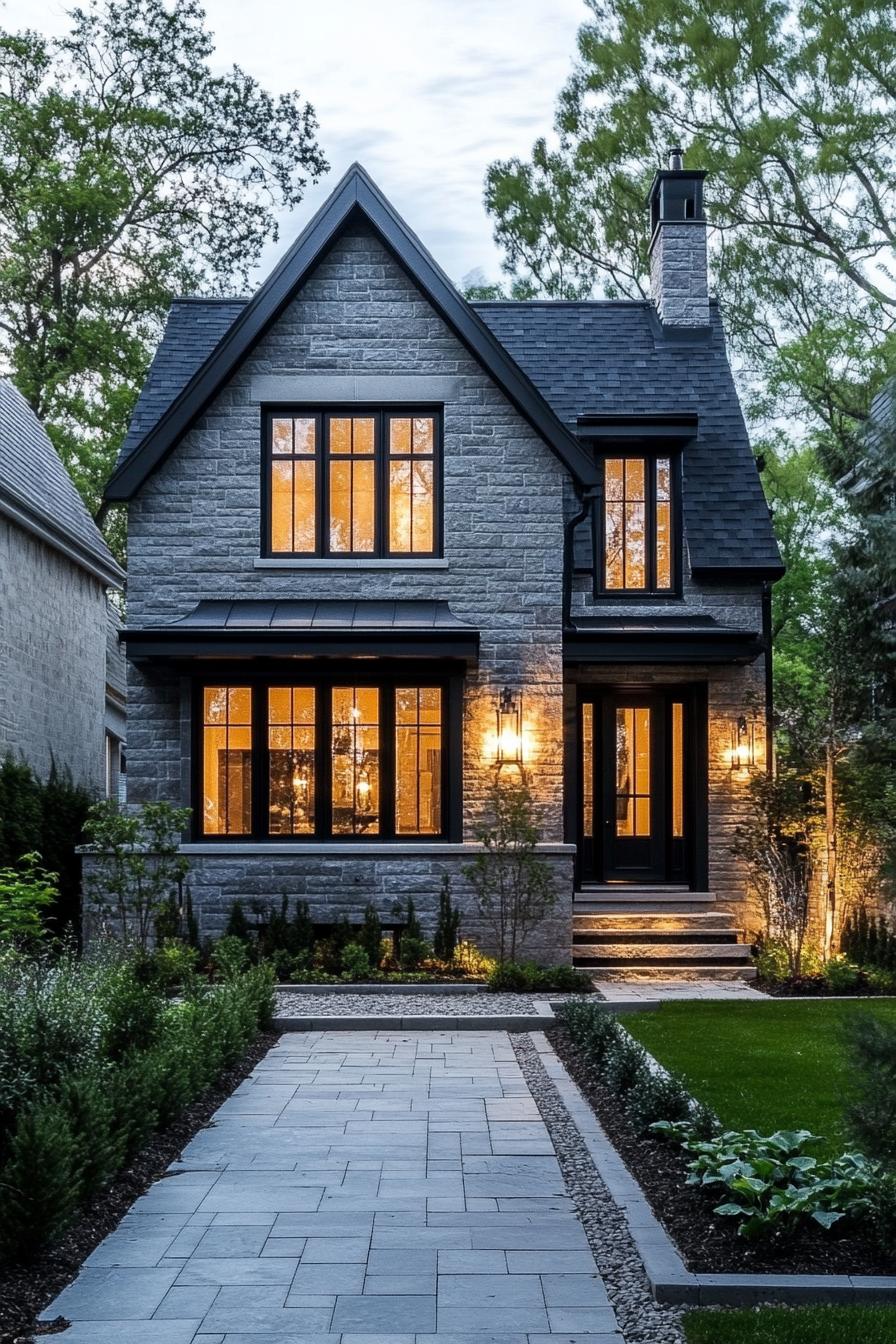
x=294 y=485
x=227 y=760
x=418 y=760
x=663 y=523
x=355 y=775
x=633 y=735
x=627 y=505
x=411 y=484
x=352 y=524
x=291 y=741
x=588 y=769
x=677 y=769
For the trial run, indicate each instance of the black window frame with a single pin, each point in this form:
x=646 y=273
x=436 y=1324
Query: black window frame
x=322 y=414
x=414 y=673
x=650 y=456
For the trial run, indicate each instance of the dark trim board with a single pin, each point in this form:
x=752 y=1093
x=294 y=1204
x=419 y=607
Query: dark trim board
x=160 y=644
x=356 y=198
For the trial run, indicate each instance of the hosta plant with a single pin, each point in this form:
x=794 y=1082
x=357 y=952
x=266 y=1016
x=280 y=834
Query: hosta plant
x=770 y=1182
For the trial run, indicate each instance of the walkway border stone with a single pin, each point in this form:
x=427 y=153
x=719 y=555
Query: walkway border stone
x=670 y=1279
x=429 y=1022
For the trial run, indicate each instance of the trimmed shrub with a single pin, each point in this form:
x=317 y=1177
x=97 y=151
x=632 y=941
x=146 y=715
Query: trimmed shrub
x=355 y=962
x=39 y=1184
x=444 y=943
x=237 y=923
x=624 y=1063
x=656 y=1096
x=592 y=1028
x=230 y=957
x=370 y=937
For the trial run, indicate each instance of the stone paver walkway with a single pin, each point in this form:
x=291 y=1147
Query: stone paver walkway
x=616 y=991
x=358 y=1186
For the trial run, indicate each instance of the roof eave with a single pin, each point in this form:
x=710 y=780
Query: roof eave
x=103 y=568
x=356 y=193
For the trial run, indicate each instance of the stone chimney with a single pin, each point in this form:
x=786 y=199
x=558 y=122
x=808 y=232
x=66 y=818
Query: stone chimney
x=678 y=269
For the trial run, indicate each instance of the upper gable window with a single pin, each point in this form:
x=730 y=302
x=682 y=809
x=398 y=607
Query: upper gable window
x=353 y=483
x=637 y=528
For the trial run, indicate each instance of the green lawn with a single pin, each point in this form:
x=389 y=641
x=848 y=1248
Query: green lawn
x=765 y=1066
x=805 y=1325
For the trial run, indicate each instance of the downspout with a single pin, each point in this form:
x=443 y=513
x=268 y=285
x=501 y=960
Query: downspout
x=769 y=677
x=586 y=499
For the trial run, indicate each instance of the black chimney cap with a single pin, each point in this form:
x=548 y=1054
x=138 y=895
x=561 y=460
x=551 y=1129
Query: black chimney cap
x=676 y=193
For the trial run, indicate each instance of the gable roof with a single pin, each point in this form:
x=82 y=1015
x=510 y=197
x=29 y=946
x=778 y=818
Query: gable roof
x=356 y=196
x=604 y=358
x=38 y=494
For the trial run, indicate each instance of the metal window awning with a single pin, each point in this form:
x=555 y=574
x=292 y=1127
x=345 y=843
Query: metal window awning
x=658 y=639
x=300 y=628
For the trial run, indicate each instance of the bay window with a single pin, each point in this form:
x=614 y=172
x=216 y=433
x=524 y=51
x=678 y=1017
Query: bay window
x=330 y=759
x=352 y=483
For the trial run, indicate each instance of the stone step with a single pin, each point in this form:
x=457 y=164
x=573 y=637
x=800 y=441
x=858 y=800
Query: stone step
x=655 y=937
x=661 y=954
x=681 y=974
x=653 y=921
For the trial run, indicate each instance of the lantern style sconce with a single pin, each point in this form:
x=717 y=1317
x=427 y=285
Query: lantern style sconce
x=742 y=755
x=509 y=718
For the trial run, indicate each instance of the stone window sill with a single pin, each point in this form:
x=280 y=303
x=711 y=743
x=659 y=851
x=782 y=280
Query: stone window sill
x=233 y=849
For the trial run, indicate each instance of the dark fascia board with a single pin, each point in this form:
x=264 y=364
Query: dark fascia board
x=305 y=643
x=722 y=574
x=356 y=195
x=677 y=427
x=734 y=646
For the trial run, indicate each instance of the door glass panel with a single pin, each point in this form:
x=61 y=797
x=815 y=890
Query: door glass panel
x=633 y=734
x=677 y=770
x=588 y=770
x=356 y=760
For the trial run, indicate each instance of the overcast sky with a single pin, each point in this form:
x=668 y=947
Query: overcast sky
x=424 y=93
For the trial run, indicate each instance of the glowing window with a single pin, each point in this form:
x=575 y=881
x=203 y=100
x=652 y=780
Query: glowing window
x=637 y=525
x=227 y=760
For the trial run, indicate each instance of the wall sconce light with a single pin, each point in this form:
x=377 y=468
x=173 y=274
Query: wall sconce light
x=742 y=755
x=510 y=730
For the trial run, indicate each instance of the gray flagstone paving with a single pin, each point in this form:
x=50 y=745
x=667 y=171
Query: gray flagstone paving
x=378 y=1187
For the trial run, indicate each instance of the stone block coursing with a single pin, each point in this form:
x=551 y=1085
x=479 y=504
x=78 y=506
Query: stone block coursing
x=678 y=273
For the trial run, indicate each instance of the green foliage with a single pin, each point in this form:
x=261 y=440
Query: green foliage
x=788 y=1325
x=871 y=1114
x=303 y=930
x=841 y=976
x=38 y=1181
x=625 y=1063
x=133 y=168
x=355 y=962
x=413 y=951
x=769 y=1182
x=92 y=1059
x=772 y=841
x=229 y=957
x=26 y=893
x=444 y=943
x=594 y=1029
x=526 y=976
x=512 y=883
x=176 y=963
x=869 y=941
x=412 y=927
x=45 y=817
x=656 y=1097
x=237 y=925
x=370 y=936
x=138 y=866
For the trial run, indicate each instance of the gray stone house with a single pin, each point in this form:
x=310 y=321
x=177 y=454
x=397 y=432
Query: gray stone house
x=55 y=574
x=384 y=543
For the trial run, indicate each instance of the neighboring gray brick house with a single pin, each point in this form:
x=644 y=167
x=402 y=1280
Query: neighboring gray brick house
x=384 y=542
x=55 y=571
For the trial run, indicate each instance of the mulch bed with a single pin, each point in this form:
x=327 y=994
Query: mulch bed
x=707 y=1244
x=26 y=1290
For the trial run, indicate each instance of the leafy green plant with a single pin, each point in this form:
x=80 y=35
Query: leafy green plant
x=237 y=925
x=444 y=943
x=230 y=957
x=38 y=1181
x=594 y=1029
x=413 y=951
x=625 y=1063
x=512 y=883
x=176 y=963
x=470 y=960
x=26 y=892
x=769 y=1182
x=355 y=962
x=871 y=1114
x=656 y=1096
x=841 y=975
x=137 y=864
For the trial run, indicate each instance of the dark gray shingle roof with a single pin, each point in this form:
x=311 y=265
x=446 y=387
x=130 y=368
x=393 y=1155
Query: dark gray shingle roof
x=584 y=358
x=38 y=490
x=600 y=357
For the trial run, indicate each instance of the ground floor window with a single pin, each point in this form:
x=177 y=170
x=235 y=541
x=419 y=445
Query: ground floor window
x=325 y=759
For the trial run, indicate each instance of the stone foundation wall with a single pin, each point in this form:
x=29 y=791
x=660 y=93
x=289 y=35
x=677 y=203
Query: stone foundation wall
x=336 y=884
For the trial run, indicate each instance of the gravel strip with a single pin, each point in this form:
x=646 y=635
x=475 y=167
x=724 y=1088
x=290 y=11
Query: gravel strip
x=641 y=1319
x=409 y=1005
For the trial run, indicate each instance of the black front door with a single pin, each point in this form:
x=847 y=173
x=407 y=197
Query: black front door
x=636 y=786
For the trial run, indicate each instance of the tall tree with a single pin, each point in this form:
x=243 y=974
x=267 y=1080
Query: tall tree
x=129 y=171
x=791 y=107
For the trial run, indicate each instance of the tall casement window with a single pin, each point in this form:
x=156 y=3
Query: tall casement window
x=333 y=760
x=637 y=528
x=352 y=484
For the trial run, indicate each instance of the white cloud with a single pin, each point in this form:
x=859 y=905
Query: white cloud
x=424 y=93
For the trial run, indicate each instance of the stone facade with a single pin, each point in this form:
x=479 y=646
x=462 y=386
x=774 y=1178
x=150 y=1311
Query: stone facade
x=360 y=331
x=52 y=658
